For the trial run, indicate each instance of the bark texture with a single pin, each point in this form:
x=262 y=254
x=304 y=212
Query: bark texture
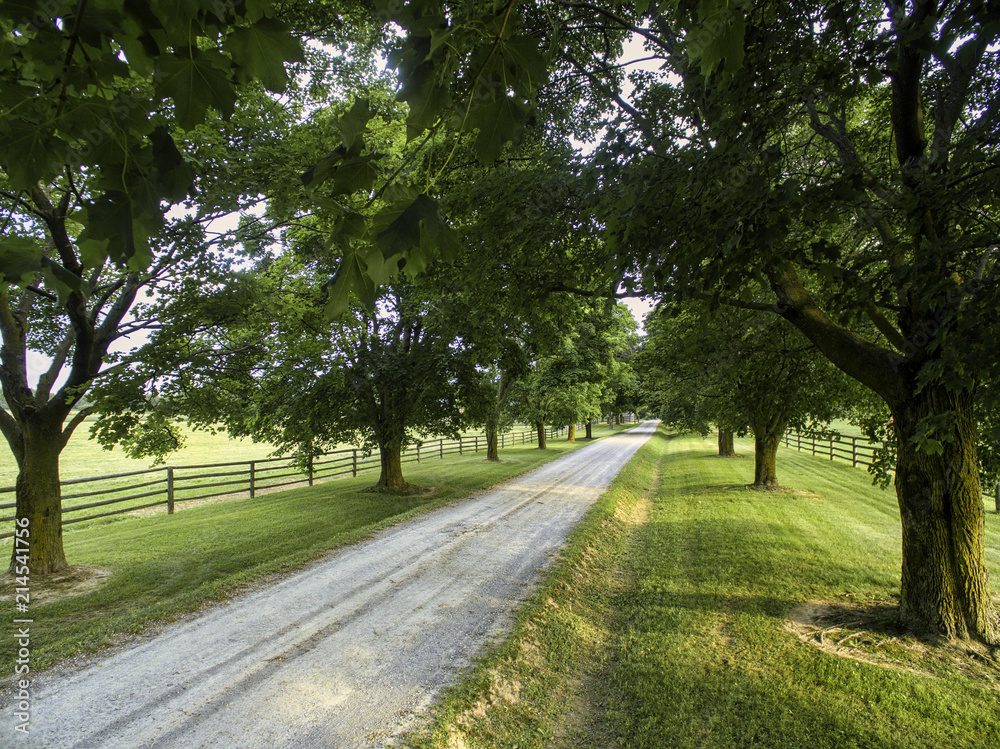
x=493 y=418
x=540 y=431
x=590 y=430
x=391 y=477
x=726 y=447
x=767 y=437
x=492 y=442
x=571 y=433
x=39 y=498
x=945 y=588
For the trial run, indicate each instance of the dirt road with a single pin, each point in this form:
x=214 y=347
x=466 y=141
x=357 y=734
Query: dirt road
x=346 y=654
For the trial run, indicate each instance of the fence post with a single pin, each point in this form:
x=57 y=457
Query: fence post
x=854 y=452
x=310 y=471
x=460 y=445
x=354 y=468
x=170 y=491
x=996 y=497
x=813 y=441
x=441 y=447
x=831 y=448
x=418 y=452
x=253 y=479
x=477 y=443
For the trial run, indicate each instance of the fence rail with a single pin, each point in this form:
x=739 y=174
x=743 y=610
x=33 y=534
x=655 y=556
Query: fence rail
x=860 y=453
x=176 y=484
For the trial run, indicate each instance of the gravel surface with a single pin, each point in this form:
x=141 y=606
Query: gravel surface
x=349 y=653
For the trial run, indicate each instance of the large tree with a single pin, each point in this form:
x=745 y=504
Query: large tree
x=849 y=163
x=98 y=100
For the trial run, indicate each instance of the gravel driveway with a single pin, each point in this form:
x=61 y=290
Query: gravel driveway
x=348 y=653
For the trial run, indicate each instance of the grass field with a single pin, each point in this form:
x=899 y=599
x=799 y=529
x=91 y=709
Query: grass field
x=161 y=567
x=84 y=457
x=665 y=625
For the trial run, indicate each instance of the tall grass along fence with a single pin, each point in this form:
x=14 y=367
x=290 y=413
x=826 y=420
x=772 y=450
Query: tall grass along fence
x=170 y=485
x=859 y=451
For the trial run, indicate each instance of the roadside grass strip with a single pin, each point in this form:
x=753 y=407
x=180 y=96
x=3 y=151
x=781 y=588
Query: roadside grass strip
x=558 y=653
x=674 y=632
x=134 y=572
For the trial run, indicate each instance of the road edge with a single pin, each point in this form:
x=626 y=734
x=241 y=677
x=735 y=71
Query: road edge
x=542 y=685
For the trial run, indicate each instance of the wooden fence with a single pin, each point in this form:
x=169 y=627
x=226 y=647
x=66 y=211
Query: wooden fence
x=171 y=485
x=860 y=452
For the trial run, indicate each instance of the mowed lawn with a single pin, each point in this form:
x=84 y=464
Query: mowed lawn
x=670 y=630
x=705 y=659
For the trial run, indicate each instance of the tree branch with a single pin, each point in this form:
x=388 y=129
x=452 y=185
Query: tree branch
x=885 y=327
x=47 y=379
x=866 y=362
x=76 y=421
x=659 y=41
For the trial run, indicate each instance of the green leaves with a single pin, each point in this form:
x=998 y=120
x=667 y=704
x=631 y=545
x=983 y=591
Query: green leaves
x=498 y=123
x=113 y=230
x=346 y=169
x=404 y=230
x=22 y=260
x=91 y=104
x=261 y=51
x=351 y=277
x=355 y=122
x=402 y=237
x=428 y=99
x=30 y=152
x=525 y=67
x=717 y=34
x=196 y=80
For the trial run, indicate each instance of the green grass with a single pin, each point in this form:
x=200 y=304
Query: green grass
x=163 y=566
x=690 y=650
x=83 y=457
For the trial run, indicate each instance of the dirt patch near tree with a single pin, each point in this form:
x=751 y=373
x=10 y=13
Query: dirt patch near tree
x=73 y=581
x=869 y=631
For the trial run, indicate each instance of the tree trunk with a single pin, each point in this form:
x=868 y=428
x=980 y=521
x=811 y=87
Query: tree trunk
x=590 y=429
x=766 y=436
x=493 y=418
x=571 y=433
x=391 y=478
x=39 y=499
x=492 y=442
x=726 y=447
x=945 y=585
x=540 y=430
